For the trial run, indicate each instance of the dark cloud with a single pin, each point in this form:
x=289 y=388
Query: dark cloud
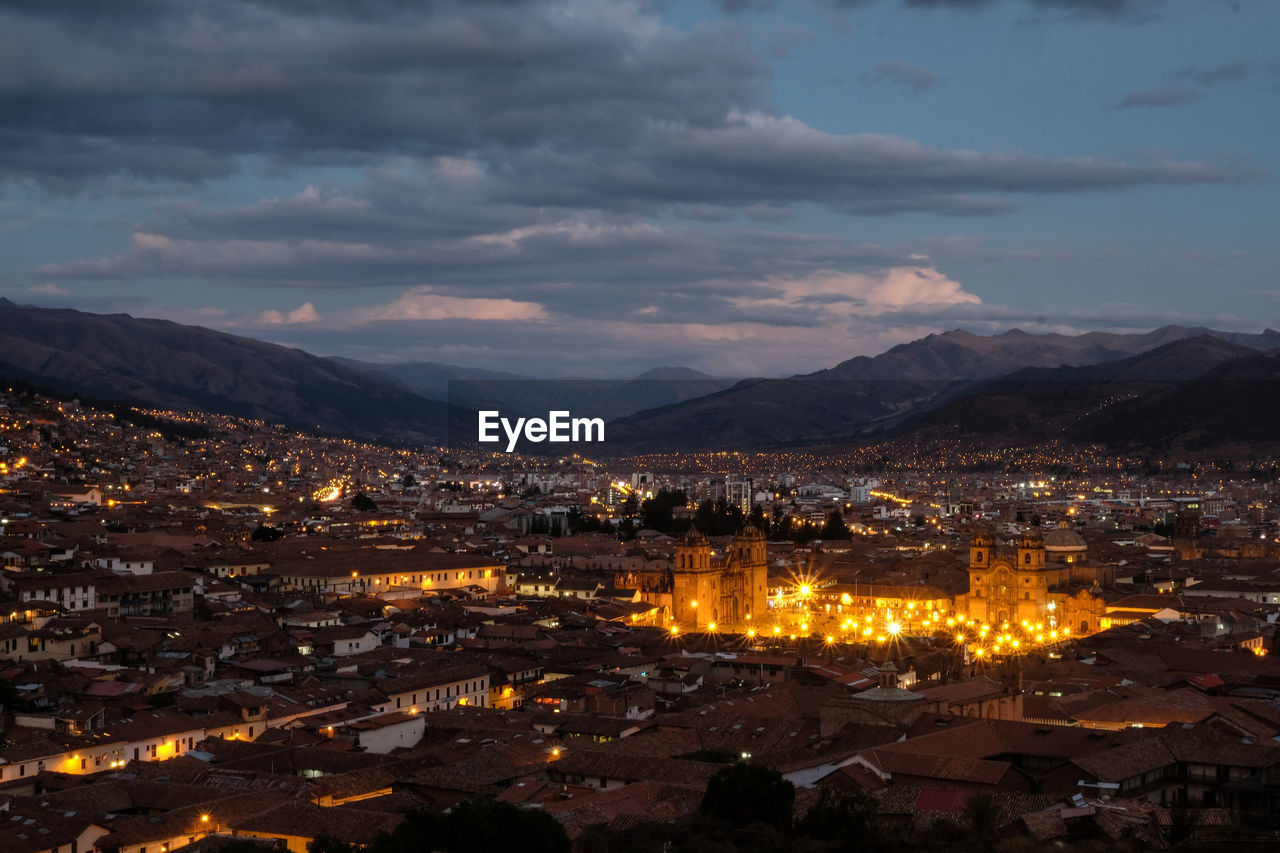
x=798 y=160
x=733 y=7
x=603 y=109
x=330 y=238
x=1165 y=96
x=250 y=78
x=1228 y=72
x=1112 y=8
x=905 y=75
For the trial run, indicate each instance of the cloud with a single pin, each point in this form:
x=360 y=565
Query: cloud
x=157 y=254
x=1123 y=9
x=1164 y=96
x=542 y=105
x=425 y=303
x=1228 y=72
x=92 y=96
x=912 y=79
x=831 y=293
x=48 y=290
x=1119 y=9
x=305 y=313
x=364 y=238
x=757 y=150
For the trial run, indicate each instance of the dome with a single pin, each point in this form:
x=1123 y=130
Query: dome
x=1063 y=539
x=694 y=537
x=887 y=690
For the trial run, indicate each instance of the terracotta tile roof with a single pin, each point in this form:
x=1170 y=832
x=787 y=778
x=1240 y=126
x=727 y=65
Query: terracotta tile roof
x=31 y=831
x=940 y=767
x=304 y=820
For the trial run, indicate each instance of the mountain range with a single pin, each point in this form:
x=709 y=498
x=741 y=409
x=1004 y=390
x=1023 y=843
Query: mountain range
x=1174 y=386
x=171 y=366
x=527 y=396
x=865 y=398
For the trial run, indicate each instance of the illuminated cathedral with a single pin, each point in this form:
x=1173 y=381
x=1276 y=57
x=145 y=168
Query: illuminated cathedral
x=719 y=591
x=1040 y=580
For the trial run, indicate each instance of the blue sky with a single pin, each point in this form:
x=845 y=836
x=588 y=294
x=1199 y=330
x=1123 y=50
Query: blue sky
x=597 y=188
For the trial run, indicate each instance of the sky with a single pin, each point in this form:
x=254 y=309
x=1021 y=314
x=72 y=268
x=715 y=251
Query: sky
x=595 y=188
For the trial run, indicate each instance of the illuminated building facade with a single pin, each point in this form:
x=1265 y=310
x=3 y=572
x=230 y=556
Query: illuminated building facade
x=711 y=592
x=1033 y=584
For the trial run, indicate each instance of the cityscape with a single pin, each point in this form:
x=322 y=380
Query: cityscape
x=223 y=630
x=639 y=426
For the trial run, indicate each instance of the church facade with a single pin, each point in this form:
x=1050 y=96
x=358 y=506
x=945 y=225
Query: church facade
x=1030 y=582
x=727 y=590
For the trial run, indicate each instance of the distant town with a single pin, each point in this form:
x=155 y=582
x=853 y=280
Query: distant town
x=219 y=629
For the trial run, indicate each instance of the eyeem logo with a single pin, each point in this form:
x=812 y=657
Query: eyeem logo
x=558 y=428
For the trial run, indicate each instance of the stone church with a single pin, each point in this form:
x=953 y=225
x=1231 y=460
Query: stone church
x=1039 y=580
x=728 y=590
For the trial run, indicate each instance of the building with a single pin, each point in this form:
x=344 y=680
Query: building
x=72 y=590
x=147 y=595
x=719 y=591
x=1024 y=585
x=365 y=572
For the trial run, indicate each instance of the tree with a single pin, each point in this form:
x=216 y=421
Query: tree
x=476 y=826
x=806 y=532
x=658 y=512
x=363 y=503
x=742 y=793
x=983 y=815
x=409 y=480
x=841 y=816
x=266 y=533
x=581 y=522
x=718 y=518
x=835 y=527
x=327 y=844
x=780 y=529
